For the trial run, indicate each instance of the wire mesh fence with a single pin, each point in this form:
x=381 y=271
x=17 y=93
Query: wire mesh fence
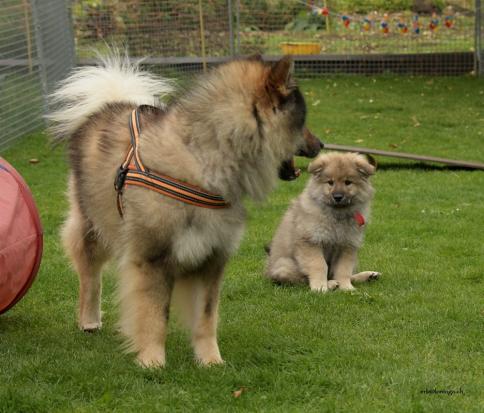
x=36 y=50
x=326 y=36
x=40 y=40
x=479 y=38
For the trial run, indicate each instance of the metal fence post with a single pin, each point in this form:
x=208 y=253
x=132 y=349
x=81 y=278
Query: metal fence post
x=71 y=34
x=231 y=28
x=479 y=69
x=40 y=54
x=237 y=26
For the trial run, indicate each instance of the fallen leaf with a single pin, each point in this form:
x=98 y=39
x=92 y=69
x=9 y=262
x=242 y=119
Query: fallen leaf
x=238 y=393
x=33 y=160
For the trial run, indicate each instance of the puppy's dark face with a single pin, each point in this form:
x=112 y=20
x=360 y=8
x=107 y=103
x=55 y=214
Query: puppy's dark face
x=342 y=180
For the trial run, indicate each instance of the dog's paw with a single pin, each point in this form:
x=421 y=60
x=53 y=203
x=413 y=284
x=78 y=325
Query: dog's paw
x=151 y=359
x=374 y=276
x=210 y=361
x=206 y=350
x=91 y=327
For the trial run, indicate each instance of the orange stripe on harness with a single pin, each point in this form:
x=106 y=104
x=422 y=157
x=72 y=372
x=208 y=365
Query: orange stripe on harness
x=135 y=131
x=133 y=172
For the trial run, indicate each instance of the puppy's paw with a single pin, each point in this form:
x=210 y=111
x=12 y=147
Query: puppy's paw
x=365 y=276
x=374 y=276
x=346 y=287
x=333 y=285
x=319 y=288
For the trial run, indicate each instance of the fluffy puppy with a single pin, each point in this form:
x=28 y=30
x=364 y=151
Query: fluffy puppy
x=319 y=236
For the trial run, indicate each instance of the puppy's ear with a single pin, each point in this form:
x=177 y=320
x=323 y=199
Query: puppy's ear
x=371 y=160
x=365 y=167
x=316 y=167
x=279 y=79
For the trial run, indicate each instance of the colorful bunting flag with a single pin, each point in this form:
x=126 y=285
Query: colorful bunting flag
x=366 y=23
x=346 y=20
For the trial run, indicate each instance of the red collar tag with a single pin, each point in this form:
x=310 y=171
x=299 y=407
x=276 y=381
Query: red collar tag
x=359 y=218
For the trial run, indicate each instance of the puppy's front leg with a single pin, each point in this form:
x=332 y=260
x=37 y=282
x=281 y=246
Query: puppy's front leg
x=343 y=268
x=311 y=262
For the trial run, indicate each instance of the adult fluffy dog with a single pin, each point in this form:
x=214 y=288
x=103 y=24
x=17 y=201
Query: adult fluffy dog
x=227 y=136
x=320 y=234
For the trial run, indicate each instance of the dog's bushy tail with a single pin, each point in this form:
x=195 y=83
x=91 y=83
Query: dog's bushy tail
x=87 y=89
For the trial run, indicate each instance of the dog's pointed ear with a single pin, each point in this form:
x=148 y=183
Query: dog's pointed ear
x=366 y=166
x=316 y=167
x=279 y=78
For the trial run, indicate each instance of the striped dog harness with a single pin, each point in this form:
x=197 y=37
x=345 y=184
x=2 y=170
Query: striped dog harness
x=133 y=172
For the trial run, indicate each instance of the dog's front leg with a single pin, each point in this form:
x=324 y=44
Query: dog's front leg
x=311 y=262
x=145 y=293
x=343 y=268
x=205 y=288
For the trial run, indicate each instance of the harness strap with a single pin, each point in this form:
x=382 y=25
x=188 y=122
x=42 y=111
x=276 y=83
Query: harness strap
x=133 y=172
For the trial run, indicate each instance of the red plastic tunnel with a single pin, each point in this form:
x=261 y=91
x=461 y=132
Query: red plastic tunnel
x=20 y=237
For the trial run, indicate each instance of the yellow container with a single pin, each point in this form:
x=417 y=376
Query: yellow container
x=300 y=48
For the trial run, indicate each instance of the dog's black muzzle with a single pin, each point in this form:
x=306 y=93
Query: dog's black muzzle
x=310 y=151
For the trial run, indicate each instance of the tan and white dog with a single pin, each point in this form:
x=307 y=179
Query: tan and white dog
x=319 y=237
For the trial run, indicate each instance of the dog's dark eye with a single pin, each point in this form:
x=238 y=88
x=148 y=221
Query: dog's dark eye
x=330 y=182
x=348 y=182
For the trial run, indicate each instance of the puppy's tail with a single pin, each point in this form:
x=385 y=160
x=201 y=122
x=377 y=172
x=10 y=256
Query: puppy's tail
x=87 y=89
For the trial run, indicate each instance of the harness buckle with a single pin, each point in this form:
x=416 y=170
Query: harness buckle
x=120 y=178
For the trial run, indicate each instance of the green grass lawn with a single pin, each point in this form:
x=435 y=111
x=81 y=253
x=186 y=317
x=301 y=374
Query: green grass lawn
x=418 y=328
